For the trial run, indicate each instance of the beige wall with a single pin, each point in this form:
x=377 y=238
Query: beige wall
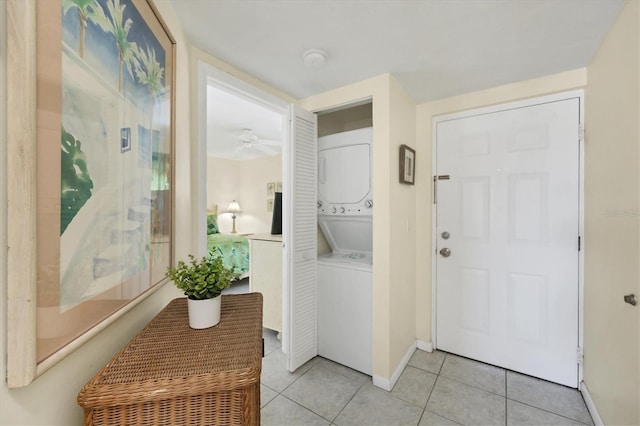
x=246 y=182
x=425 y=113
x=612 y=215
x=402 y=227
x=51 y=398
x=390 y=129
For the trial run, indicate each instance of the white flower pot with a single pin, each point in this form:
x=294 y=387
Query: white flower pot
x=204 y=313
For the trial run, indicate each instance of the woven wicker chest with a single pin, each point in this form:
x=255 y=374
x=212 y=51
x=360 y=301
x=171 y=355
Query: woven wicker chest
x=170 y=374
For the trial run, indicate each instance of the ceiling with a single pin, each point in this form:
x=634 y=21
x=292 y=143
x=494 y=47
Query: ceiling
x=435 y=48
x=227 y=117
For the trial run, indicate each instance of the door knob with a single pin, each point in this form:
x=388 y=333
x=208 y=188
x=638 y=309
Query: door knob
x=445 y=235
x=445 y=252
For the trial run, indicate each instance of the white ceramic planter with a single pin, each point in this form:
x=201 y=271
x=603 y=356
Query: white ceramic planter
x=204 y=313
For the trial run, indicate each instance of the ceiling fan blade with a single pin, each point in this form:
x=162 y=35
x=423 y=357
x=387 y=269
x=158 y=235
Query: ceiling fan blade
x=270 y=142
x=266 y=150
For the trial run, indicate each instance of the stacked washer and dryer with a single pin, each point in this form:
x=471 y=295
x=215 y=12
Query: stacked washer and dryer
x=345 y=217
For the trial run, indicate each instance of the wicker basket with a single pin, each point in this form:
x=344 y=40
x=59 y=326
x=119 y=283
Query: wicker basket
x=171 y=374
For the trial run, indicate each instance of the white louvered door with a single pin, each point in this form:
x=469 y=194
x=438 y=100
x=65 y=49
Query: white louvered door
x=300 y=222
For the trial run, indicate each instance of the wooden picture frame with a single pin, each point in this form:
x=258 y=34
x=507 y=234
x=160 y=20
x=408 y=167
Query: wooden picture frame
x=92 y=218
x=407 y=165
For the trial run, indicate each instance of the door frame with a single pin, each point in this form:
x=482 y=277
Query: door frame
x=210 y=75
x=509 y=105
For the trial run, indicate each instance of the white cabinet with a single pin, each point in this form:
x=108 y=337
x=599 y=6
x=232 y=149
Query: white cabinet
x=265 y=276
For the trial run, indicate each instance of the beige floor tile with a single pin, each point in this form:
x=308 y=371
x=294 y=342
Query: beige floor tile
x=323 y=391
x=524 y=415
x=548 y=396
x=283 y=412
x=474 y=373
x=431 y=362
x=414 y=386
x=466 y=404
x=372 y=406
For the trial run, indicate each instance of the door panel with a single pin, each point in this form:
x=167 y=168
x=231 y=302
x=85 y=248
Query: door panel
x=300 y=241
x=508 y=292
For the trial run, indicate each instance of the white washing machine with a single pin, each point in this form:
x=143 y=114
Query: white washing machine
x=345 y=275
x=344 y=293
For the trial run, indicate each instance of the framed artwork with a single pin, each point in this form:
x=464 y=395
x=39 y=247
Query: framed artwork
x=271 y=188
x=407 y=165
x=104 y=70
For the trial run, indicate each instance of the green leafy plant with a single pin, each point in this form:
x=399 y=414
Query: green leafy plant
x=201 y=279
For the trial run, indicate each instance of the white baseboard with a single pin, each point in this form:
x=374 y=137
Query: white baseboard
x=388 y=384
x=591 y=406
x=425 y=346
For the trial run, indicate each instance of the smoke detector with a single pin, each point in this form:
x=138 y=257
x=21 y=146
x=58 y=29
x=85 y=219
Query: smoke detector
x=314 y=58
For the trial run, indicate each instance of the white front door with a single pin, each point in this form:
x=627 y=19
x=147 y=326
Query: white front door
x=507 y=214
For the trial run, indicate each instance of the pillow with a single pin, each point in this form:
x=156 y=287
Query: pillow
x=212 y=224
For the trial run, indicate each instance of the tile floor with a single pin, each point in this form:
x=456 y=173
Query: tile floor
x=435 y=389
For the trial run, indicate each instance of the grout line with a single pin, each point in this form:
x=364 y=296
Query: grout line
x=348 y=402
x=506 y=408
x=550 y=412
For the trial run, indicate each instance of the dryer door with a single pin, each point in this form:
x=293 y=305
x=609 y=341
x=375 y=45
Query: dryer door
x=343 y=174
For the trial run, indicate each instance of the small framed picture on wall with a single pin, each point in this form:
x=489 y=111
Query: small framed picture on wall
x=407 y=165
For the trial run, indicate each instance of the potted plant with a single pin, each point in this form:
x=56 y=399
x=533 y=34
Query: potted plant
x=202 y=282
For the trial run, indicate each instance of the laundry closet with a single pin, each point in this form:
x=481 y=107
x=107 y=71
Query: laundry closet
x=345 y=236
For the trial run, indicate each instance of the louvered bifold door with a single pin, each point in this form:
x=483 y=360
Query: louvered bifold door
x=302 y=250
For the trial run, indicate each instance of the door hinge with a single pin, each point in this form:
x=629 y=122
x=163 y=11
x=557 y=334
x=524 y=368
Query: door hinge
x=580 y=132
x=580 y=355
x=579 y=243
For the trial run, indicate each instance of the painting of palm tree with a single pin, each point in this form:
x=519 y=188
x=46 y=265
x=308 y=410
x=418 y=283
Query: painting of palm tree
x=116 y=76
x=86 y=10
x=114 y=22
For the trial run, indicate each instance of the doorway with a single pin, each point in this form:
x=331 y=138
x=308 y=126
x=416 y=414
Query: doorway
x=508 y=225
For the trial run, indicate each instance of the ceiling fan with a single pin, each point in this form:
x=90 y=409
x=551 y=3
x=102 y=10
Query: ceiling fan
x=250 y=142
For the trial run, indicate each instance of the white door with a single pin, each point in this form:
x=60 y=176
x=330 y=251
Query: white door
x=507 y=293
x=300 y=337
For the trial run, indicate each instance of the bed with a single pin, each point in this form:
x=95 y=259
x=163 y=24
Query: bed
x=233 y=248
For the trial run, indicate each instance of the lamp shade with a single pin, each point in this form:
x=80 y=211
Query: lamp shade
x=234 y=207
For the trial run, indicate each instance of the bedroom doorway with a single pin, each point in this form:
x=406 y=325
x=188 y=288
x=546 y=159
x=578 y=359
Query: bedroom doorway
x=242 y=135
x=287 y=261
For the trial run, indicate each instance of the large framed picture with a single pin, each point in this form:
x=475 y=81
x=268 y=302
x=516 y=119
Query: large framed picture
x=103 y=185
x=407 y=165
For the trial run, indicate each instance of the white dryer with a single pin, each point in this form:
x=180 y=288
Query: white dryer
x=345 y=183
x=345 y=275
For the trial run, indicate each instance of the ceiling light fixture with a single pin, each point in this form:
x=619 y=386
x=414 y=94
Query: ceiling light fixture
x=314 y=58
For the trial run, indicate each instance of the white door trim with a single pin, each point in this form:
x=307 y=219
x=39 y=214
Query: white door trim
x=497 y=108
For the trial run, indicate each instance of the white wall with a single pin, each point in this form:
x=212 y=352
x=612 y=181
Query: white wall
x=425 y=113
x=246 y=182
x=612 y=222
x=51 y=398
